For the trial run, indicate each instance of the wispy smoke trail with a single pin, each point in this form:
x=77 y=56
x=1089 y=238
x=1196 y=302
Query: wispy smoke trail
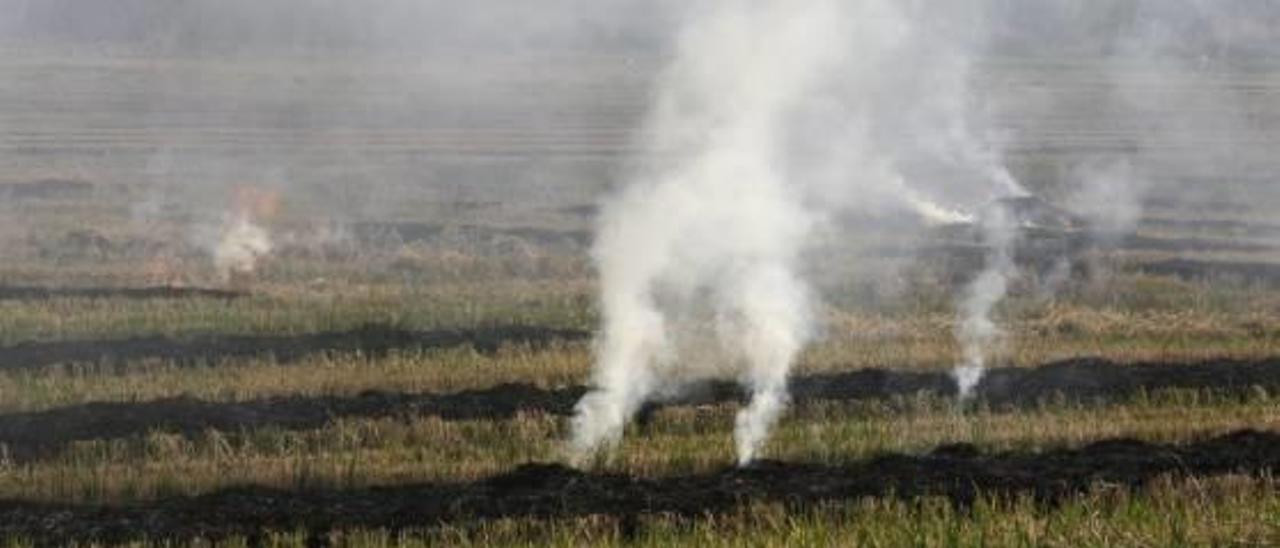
x=999 y=228
x=954 y=142
x=978 y=333
x=930 y=211
x=713 y=237
x=1108 y=193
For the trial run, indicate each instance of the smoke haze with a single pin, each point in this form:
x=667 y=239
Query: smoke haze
x=730 y=167
x=754 y=144
x=715 y=237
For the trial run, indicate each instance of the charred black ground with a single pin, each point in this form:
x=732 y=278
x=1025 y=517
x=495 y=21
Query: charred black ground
x=960 y=474
x=30 y=436
x=371 y=340
x=34 y=435
x=411 y=232
x=1235 y=228
x=957 y=255
x=46 y=188
x=1265 y=274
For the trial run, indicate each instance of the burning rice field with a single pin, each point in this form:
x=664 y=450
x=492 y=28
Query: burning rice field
x=902 y=277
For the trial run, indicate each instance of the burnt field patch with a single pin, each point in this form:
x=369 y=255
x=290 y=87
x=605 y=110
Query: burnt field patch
x=1044 y=250
x=34 y=293
x=1092 y=380
x=31 y=436
x=1187 y=245
x=959 y=473
x=46 y=188
x=1266 y=274
x=416 y=232
x=371 y=340
x=1233 y=228
x=965 y=239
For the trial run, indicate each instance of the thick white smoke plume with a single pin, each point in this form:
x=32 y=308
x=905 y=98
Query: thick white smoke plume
x=978 y=333
x=715 y=236
x=774 y=117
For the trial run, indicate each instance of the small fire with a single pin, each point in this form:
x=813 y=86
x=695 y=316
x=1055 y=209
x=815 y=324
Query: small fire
x=244 y=241
x=255 y=203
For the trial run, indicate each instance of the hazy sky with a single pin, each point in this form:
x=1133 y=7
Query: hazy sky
x=1018 y=26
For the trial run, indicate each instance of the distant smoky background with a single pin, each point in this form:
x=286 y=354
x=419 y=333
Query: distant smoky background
x=725 y=203
x=526 y=115
x=333 y=25
x=332 y=96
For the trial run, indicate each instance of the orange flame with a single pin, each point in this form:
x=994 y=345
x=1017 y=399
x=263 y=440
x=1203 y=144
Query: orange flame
x=255 y=203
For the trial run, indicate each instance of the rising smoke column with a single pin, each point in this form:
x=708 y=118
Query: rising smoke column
x=1168 y=69
x=999 y=229
x=977 y=332
x=965 y=157
x=243 y=241
x=775 y=117
x=242 y=244
x=712 y=233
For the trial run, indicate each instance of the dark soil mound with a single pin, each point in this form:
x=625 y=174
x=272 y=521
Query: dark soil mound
x=1267 y=274
x=29 y=436
x=1237 y=229
x=415 y=232
x=25 y=293
x=1085 y=380
x=1193 y=245
x=1092 y=380
x=549 y=490
x=958 y=256
x=45 y=188
x=371 y=340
